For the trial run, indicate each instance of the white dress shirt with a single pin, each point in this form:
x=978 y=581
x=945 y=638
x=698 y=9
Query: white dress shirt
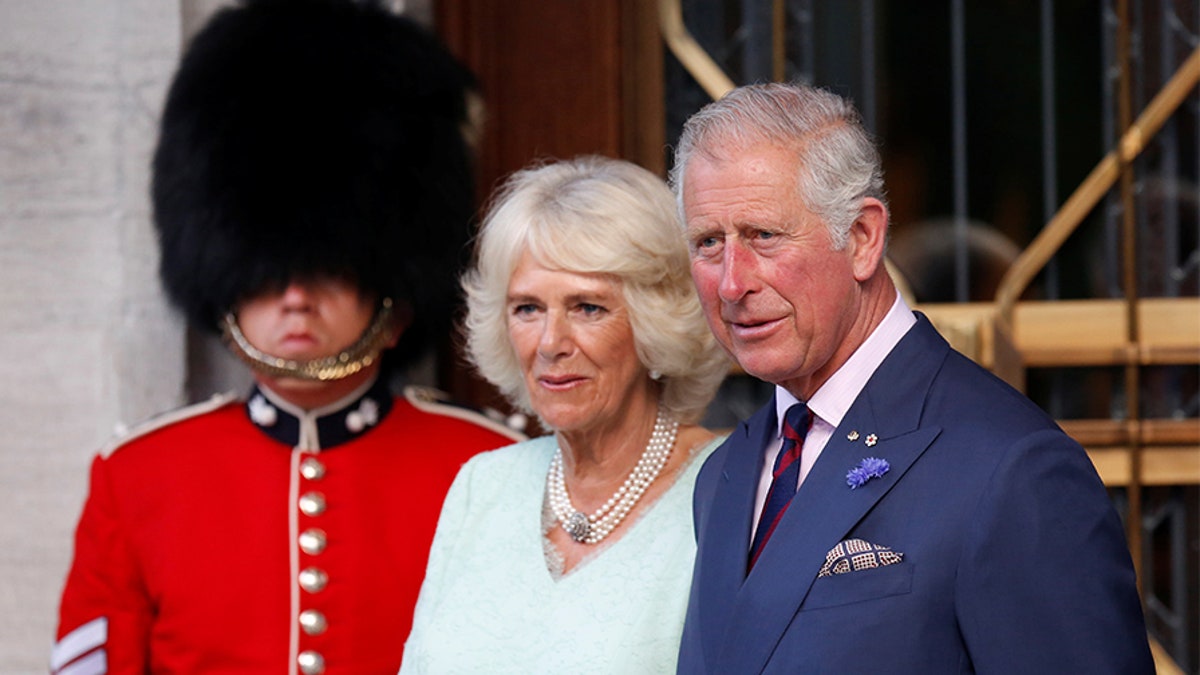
x=830 y=403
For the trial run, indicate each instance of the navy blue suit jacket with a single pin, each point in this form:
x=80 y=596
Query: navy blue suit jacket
x=1014 y=560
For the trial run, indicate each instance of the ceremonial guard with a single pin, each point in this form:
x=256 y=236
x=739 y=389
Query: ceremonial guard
x=312 y=195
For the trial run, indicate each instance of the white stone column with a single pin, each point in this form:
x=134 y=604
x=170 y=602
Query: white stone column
x=86 y=339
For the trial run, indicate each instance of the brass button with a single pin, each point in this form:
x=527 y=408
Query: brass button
x=310 y=662
x=312 y=468
x=313 y=541
x=312 y=503
x=313 y=622
x=313 y=579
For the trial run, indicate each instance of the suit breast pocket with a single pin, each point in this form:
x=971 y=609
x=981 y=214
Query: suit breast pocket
x=861 y=586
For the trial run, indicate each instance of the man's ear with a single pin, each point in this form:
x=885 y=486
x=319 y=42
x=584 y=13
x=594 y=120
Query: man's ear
x=867 y=237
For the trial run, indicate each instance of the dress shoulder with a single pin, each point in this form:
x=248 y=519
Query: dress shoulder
x=124 y=436
x=435 y=402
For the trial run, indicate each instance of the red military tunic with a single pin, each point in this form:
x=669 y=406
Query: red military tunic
x=253 y=538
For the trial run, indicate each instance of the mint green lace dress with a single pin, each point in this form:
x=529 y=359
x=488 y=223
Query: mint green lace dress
x=491 y=602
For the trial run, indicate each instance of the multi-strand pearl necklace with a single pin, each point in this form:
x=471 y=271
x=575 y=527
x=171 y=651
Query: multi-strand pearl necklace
x=594 y=528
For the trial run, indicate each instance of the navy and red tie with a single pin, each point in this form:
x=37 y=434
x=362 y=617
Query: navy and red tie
x=784 y=477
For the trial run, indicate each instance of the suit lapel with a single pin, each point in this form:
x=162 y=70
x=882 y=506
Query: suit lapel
x=722 y=565
x=825 y=508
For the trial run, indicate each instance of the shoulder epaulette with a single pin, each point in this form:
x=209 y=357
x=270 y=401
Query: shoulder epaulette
x=430 y=400
x=124 y=436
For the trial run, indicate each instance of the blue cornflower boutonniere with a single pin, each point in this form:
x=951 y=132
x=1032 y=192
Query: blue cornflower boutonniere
x=870 y=467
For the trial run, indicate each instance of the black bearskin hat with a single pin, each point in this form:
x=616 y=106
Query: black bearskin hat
x=308 y=137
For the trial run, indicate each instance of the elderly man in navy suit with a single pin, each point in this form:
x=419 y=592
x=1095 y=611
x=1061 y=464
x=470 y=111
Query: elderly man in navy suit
x=895 y=508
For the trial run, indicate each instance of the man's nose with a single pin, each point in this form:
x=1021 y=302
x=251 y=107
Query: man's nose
x=737 y=272
x=297 y=296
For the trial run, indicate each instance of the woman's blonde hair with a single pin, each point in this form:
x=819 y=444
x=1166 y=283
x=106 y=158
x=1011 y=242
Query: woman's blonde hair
x=594 y=215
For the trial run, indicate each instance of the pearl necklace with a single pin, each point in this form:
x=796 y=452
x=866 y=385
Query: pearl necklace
x=594 y=528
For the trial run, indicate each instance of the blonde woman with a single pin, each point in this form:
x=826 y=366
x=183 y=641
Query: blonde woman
x=573 y=552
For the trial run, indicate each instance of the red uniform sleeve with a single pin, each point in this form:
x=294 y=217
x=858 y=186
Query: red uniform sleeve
x=105 y=614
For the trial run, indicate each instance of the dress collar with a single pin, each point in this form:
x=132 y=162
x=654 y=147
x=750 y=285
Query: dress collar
x=321 y=428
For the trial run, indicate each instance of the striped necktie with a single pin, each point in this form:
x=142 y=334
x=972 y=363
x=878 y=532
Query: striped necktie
x=785 y=476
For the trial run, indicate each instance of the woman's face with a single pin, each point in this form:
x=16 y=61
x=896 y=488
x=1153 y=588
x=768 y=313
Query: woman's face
x=574 y=342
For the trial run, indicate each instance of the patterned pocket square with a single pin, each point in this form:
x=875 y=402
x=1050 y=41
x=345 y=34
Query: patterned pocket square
x=853 y=555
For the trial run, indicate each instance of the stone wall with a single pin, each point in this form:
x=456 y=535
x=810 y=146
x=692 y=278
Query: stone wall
x=88 y=342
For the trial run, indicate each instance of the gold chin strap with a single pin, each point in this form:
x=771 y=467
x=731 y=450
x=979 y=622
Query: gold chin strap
x=362 y=354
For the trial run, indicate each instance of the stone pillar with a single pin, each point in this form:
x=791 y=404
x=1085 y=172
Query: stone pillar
x=88 y=341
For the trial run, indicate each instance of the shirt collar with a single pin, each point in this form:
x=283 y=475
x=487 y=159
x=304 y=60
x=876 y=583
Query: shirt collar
x=321 y=428
x=831 y=402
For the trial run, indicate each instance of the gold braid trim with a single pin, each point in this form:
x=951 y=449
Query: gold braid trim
x=349 y=361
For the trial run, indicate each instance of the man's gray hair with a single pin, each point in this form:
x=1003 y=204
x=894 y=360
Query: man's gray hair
x=837 y=163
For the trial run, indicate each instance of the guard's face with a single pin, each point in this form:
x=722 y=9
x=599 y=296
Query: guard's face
x=775 y=293
x=306 y=320
x=573 y=339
